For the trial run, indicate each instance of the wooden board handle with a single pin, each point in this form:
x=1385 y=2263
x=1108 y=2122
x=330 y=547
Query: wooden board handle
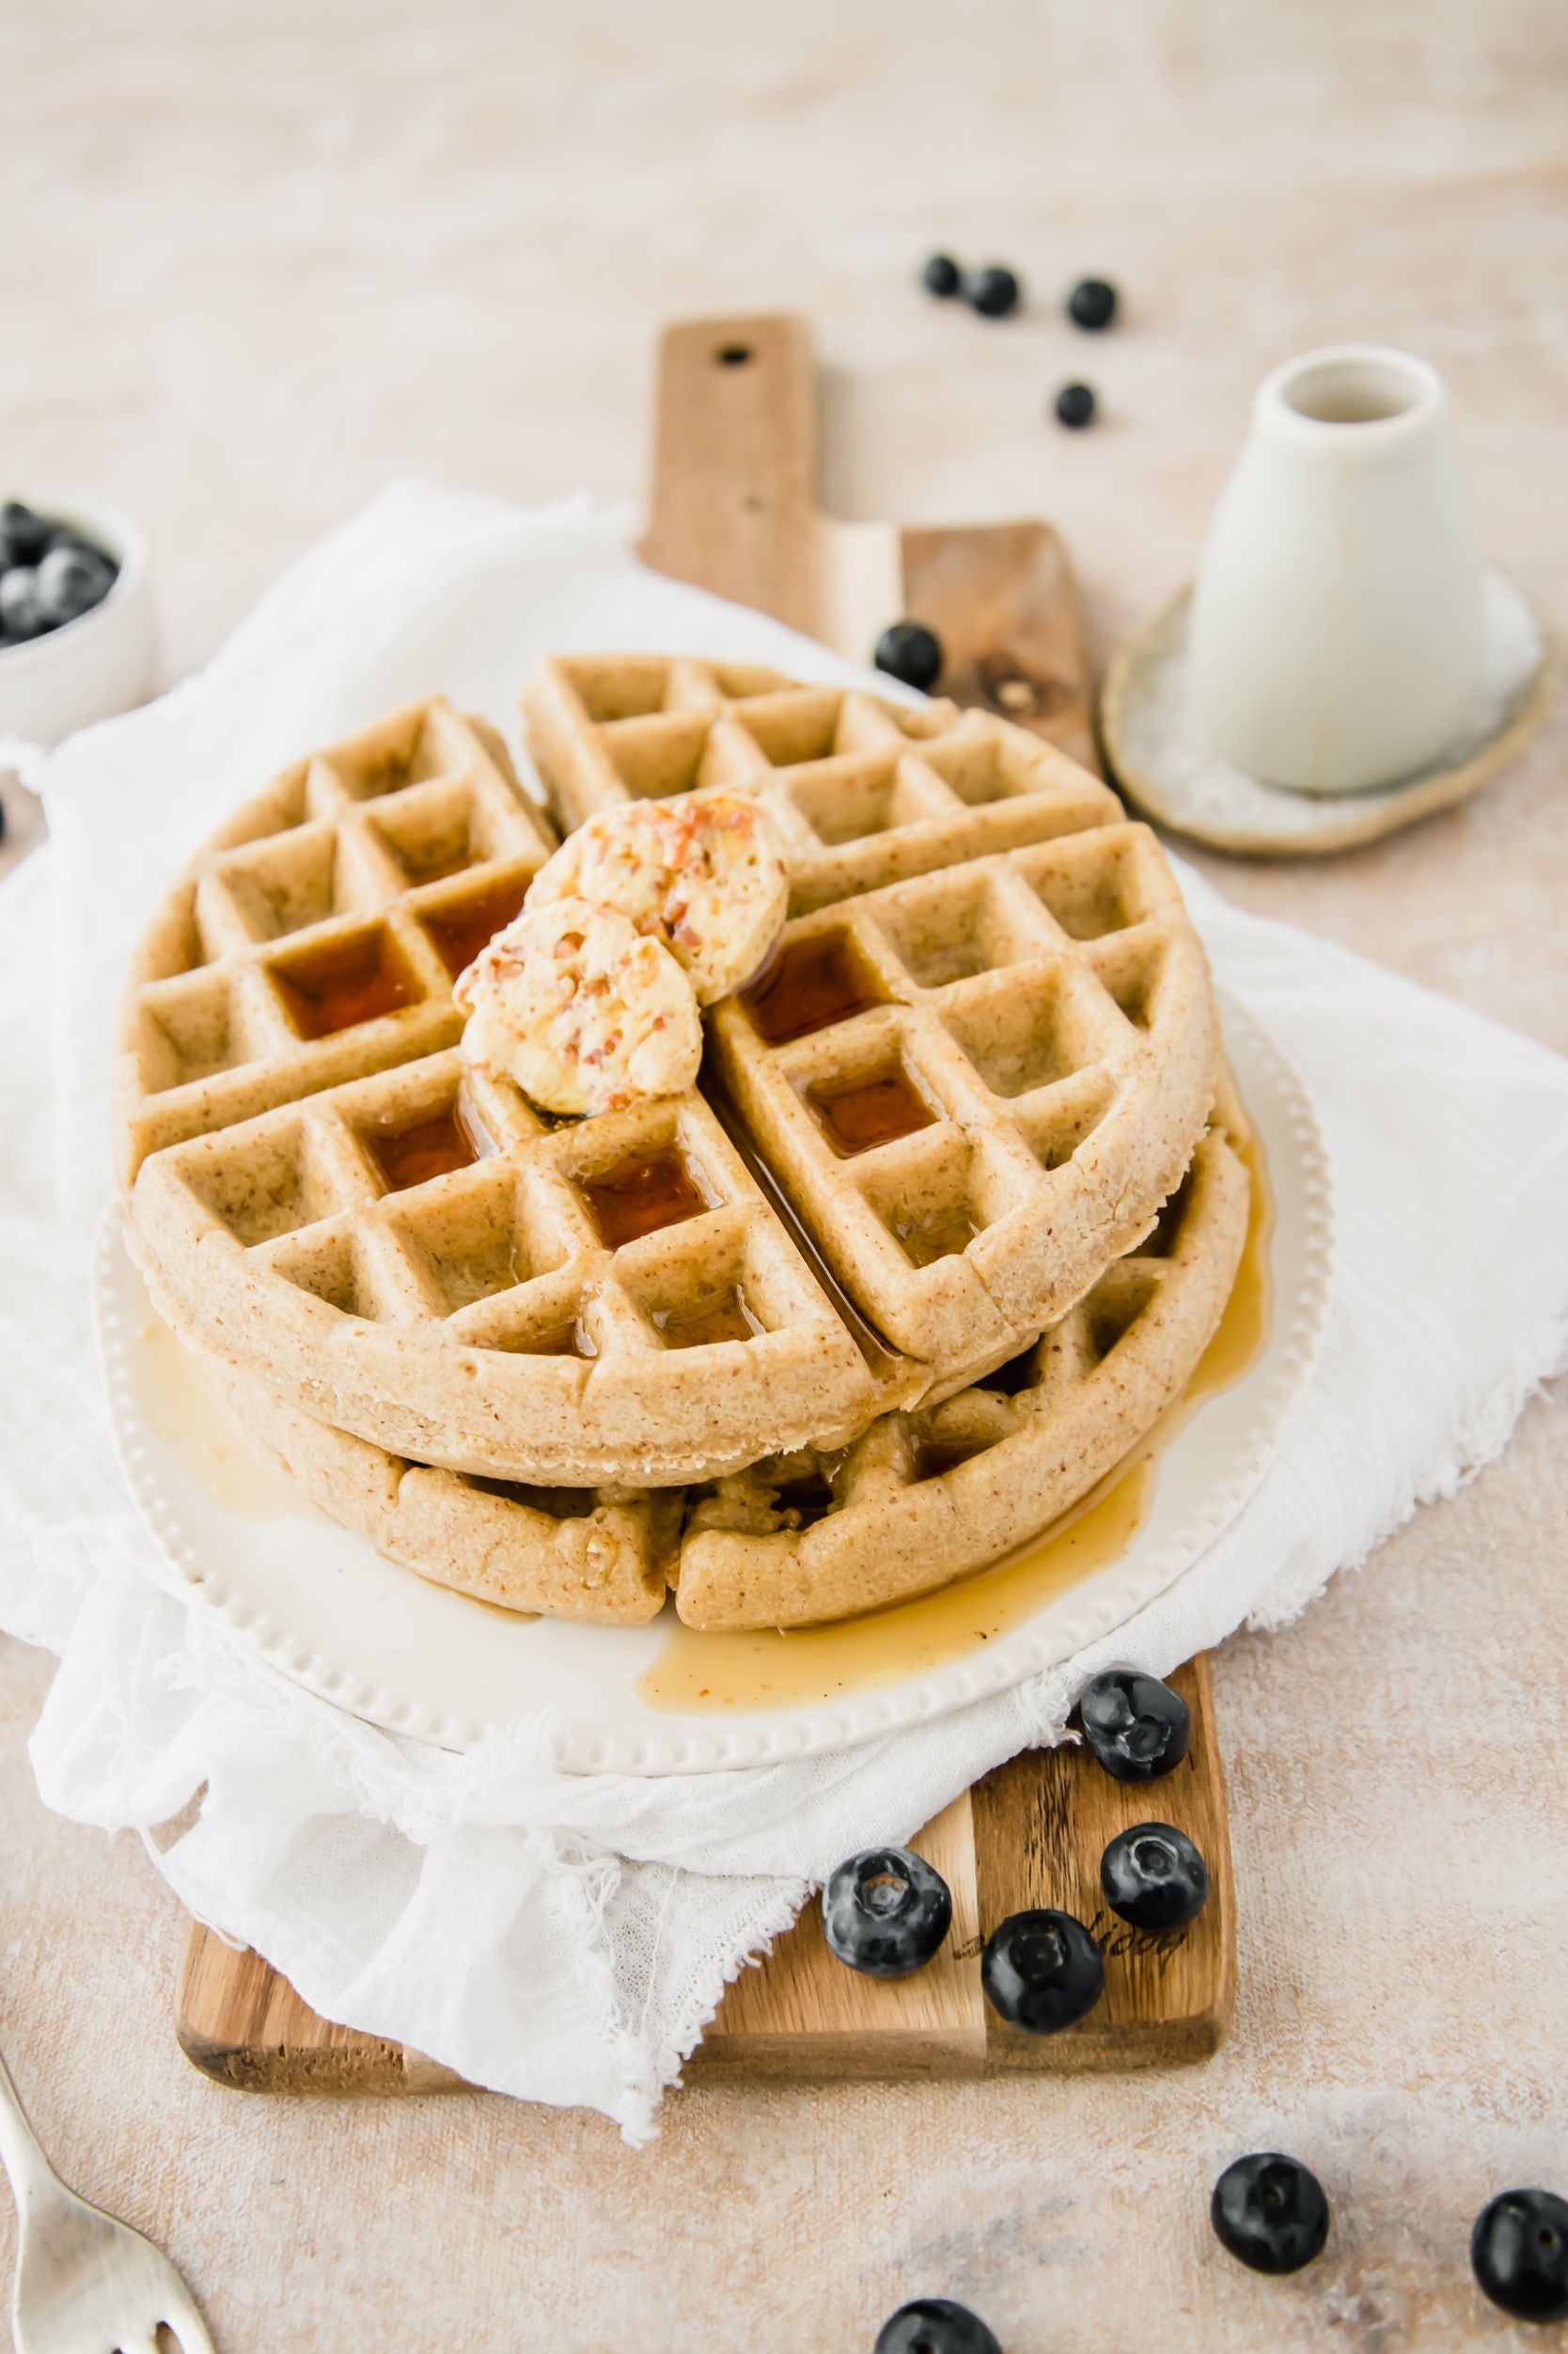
x=733 y=504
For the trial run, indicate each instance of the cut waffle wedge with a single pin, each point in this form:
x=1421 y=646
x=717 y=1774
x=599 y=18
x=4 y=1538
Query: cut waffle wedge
x=862 y=791
x=928 y=1497
x=917 y=1141
x=808 y=1536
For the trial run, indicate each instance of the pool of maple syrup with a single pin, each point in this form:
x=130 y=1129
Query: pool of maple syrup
x=858 y=1115
x=427 y=1148
x=701 y=1674
x=727 y=1317
x=346 y=982
x=569 y=1338
x=810 y=985
x=183 y=1404
x=923 y=1241
x=641 y=1194
x=463 y=926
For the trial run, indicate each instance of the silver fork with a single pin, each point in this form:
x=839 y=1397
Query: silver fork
x=84 y=2283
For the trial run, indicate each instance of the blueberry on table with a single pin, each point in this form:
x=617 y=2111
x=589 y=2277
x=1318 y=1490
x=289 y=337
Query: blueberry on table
x=19 y=613
x=1091 y=304
x=1075 y=407
x=1041 y=1971
x=934 y=2325
x=994 y=291
x=24 y=536
x=1519 y=2254
x=885 y=1911
x=942 y=276
x=1155 y=1877
x=1136 y=1726
x=910 y=651
x=1270 y=2212
x=70 y=581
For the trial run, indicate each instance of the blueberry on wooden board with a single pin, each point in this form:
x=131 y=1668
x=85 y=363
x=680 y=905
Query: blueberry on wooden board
x=1519 y=2254
x=1155 y=1877
x=910 y=651
x=1091 y=304
x=1269 y=2211
x=942 y=276
x=885 y=1911
x=1136 y=1726
x=1075 y=407
x=1041 y=1971
x=934 y=2325
x=995 y=292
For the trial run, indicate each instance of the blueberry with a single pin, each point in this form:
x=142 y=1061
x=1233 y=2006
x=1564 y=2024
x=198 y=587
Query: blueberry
x=1091 y=304
x=942 y=276
x=1041 y=1971
x=934 y=2325
x=1270 y=2212
x=19 y=613
x=994 y=293
x=1075 y=407
x=1519 y=2254
x=1136 y=1726
x=910 y=651
x=70 y=581
x=885 y=1912
x=24 y=536
x=1155 y=1877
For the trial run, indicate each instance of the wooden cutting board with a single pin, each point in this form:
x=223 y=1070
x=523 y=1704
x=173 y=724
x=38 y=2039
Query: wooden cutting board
x=734 y=509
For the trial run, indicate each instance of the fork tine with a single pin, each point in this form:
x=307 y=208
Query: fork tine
x=181 y=2317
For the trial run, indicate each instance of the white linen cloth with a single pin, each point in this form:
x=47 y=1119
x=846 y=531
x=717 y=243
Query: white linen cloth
x=565 y=1939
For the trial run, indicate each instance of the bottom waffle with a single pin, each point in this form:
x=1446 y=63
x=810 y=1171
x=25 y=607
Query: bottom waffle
x=919 y=1500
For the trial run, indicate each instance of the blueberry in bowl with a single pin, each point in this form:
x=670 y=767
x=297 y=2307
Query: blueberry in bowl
x=1041 y=1971
x=885 y=1911
x=1155 y=1877
x=1136 y=1726
x=934 y=2325
x=1519 y=2254
x=76 y=632
x=50 y=574
x=1269 y=2211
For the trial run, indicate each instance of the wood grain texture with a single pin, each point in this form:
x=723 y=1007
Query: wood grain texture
x=1029 y=1834
x=733 y=504
x=1004 y=602
x=734 y=507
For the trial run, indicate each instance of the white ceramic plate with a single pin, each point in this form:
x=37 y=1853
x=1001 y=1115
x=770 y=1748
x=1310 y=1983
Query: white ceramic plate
x=318 y=1603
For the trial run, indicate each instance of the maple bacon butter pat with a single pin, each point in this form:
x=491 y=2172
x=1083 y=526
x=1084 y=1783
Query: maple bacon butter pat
x=582 y=1012
x=703 y=872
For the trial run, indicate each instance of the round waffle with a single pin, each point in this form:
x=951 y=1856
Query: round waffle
x=953 y=1098
x=919 y=1500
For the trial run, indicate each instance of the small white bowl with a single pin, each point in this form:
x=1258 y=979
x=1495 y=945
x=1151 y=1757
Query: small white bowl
x=99 y=664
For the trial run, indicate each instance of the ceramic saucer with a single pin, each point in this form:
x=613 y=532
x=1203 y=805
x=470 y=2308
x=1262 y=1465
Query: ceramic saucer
x=1155 y=756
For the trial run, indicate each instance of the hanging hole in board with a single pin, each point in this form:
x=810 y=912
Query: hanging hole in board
x=732 y=354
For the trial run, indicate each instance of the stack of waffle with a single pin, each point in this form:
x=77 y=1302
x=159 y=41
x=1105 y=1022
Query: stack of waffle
x=946 y=1225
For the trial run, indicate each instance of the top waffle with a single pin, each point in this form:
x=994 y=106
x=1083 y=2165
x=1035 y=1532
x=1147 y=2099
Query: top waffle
x=863 y=792
x=949 y=1103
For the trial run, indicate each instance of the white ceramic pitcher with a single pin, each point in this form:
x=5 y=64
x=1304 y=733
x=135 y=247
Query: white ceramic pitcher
x=1336 y=639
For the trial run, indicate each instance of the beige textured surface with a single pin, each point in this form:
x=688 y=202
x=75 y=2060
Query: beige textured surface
x=263 y=269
